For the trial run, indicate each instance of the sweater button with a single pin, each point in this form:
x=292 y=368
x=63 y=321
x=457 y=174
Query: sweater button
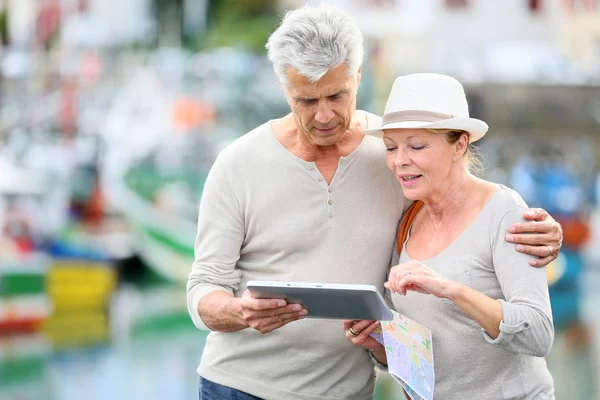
x=330 y=215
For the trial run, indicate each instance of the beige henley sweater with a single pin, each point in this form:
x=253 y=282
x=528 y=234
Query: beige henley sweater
x=266 y=214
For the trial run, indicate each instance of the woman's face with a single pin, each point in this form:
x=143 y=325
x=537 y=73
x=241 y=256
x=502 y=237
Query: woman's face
x=422 y=161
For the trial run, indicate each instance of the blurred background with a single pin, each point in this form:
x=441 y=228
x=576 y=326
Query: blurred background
x=112 y=112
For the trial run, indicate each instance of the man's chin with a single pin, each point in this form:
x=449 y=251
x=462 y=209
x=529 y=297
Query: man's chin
x=327 y=141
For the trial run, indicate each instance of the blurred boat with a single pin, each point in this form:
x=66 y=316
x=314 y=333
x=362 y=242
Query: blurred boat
x=24 y=304
x=162 y=133
x=158 y=155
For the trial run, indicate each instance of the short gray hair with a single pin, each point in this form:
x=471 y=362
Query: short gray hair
x=314 y=39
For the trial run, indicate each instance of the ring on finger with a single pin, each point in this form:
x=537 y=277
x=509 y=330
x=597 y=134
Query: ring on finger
x=353 y=332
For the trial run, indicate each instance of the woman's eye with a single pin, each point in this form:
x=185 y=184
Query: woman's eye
x=391 y=148
x=417 y=147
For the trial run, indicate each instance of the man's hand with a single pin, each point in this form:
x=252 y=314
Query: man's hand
x=266 y=315
x=542 y=237
x=221 y=312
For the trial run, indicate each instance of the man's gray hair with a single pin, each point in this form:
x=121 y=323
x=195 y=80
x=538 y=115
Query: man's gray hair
x=314 y=39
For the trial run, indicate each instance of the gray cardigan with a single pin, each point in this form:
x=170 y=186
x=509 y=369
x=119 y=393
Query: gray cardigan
x=469 y=364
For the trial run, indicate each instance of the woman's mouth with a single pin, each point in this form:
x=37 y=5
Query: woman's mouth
x=409 y=180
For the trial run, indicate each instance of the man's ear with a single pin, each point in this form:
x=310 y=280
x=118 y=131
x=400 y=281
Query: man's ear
x=358 y=76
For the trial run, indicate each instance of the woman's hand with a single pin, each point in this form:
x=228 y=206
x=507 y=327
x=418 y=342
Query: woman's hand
x=359 y=333
x=418 y=277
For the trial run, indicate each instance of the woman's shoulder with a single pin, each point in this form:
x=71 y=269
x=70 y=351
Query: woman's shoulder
x=507 y=202
x=509 y=197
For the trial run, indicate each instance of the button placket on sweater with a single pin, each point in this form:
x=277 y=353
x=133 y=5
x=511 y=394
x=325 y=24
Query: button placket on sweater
x=311 y=166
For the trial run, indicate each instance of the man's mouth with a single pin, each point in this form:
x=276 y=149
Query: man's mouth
x=326 y=130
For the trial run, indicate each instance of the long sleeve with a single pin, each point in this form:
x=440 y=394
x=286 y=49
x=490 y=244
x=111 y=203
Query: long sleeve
x=527 y=326
x=218 y=241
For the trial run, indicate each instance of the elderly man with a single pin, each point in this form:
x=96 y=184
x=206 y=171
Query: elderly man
x=303 y=198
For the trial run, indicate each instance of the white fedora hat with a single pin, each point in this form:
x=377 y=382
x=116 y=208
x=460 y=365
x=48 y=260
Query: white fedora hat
x=431 y=101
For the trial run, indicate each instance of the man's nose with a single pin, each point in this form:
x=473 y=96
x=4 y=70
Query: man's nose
x=324 y=112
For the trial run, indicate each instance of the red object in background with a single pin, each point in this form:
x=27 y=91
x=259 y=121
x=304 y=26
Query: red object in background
x=580 y=5
x=83 y=6
x=94 y=209
x=47 y=21
x=24 y=244
x=189 y=113
x=21 y=325
x=576 y=232
x=68 y=108
x=534 y=5
x=456 y=4
x=91 y=68
x=17 y=230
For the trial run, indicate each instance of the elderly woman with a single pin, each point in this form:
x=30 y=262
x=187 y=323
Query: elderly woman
x=489 y=313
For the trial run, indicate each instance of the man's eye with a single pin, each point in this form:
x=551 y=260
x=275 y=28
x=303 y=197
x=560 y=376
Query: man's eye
x=335 y=97
x=307 y=101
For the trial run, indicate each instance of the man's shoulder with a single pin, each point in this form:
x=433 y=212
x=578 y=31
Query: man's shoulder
x=246 y=146
x=373 y=120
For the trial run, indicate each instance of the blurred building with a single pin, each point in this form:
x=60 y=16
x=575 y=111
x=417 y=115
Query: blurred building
x=580 y=34
x=528 y=41
x=82 y=22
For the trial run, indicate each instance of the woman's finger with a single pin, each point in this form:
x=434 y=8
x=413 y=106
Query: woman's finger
x=347 y=323
x=364 y=335
x=362 y=325
x=415 y=283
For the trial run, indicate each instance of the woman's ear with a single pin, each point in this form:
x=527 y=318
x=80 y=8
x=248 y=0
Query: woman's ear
x=461 y=146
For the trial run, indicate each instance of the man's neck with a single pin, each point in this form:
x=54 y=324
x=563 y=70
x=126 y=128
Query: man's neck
x=292 y=138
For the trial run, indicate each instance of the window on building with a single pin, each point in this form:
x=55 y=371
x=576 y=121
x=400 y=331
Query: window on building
x=457 y=4
x=579 y=5
x=535 y=5
x=379 y=3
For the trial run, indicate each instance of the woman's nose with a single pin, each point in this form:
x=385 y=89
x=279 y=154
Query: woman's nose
x=402 y=159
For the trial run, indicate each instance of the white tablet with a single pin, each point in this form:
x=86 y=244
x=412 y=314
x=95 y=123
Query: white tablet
x=327 y=300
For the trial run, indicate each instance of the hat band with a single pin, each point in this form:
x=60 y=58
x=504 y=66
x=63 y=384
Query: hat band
x=425 y=116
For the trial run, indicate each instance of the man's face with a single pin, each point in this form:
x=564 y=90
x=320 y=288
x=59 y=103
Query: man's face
x=323 y=111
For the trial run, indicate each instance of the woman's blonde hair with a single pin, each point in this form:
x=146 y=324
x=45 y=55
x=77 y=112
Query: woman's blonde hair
x=473 y=154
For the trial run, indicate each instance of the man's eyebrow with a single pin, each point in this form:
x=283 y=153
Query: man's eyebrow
x=341 y=92
x=304 y=98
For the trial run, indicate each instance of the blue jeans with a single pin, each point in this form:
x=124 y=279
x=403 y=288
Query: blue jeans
x=209 y=390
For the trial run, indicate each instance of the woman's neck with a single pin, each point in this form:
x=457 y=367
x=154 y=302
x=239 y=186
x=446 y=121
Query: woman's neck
x=449 y=203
